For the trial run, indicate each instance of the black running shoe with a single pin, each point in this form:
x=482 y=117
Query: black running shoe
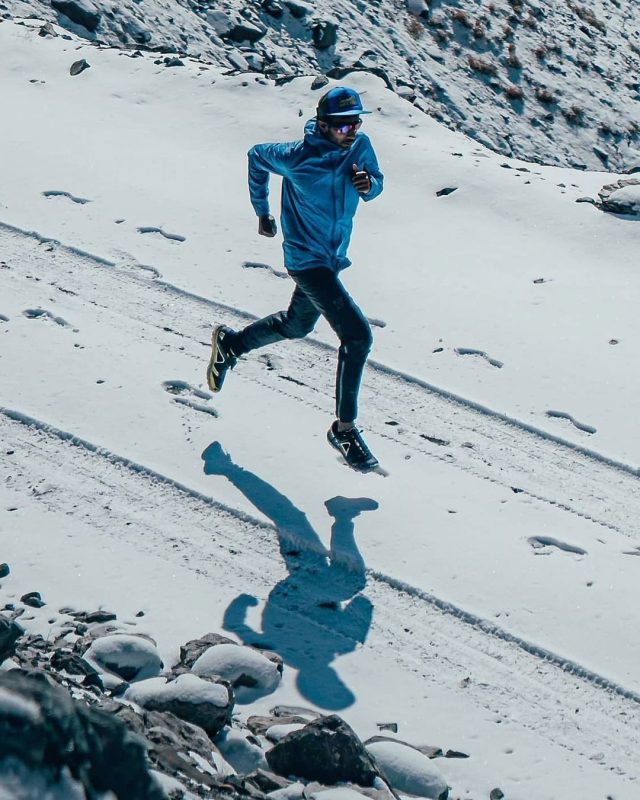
x=222 y=357
x=352 y=448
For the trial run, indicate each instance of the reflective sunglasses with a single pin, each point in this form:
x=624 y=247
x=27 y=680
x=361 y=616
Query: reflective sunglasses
x=346 y=127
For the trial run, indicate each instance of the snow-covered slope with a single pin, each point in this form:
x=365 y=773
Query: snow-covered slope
x=553 y=82
x=483 y=594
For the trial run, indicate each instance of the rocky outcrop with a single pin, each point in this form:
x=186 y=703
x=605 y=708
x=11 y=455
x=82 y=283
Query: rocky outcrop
x=82 y=12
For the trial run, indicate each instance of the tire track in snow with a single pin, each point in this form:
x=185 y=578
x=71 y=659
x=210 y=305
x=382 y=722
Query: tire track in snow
x=512 y=680
x=485 y=443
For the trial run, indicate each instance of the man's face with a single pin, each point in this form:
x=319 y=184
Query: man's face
x=341 y=130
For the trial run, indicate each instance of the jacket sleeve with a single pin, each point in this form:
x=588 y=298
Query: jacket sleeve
x=370 y=163
x=263 y=159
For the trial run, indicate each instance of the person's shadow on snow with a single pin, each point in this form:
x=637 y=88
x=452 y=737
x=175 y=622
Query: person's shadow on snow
x=317 y=612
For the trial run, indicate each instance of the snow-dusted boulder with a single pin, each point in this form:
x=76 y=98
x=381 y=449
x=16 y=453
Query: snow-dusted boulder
x=622 y=197
x=189 y=697
x=408 y=770
x=130 y=657
x=241 y=751
x=250 y=673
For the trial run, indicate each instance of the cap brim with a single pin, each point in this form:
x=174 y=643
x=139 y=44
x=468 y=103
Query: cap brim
x=349 y=113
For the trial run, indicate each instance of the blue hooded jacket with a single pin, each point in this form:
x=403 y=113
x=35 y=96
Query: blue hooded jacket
x=318 y=198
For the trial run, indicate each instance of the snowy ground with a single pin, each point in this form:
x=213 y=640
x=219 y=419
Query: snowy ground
x=501 y=547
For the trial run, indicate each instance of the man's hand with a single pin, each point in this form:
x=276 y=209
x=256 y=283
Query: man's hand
x=267 y=226
x=361 y=180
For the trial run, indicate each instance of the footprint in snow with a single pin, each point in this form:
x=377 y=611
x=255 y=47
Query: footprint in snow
x=278 y=273
x=41 y=313
x=543 y=544
x=57 y=193
x=581 y=426
x=187 y=395
x=470 y=351
x=175 y=237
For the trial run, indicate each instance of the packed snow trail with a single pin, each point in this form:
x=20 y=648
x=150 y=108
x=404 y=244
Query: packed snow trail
x=127 y=502
x=429 y=421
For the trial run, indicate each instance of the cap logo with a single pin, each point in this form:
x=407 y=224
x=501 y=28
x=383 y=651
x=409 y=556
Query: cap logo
x=347 y=101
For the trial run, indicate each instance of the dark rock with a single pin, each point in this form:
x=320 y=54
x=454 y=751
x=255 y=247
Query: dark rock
x=47 y=30
x=32 y=599
x=325 y=35
x=455 y=754
x=82 y=12
x=66 y=661
x=79 y=66
x=586 y=200
x=193 y=649
x=267 y=781
x=319 y=82
x=273 y=8
x=96 y=616
x=10 y=632
x=496 y=794
x=48 y=731
x=447 y=190
x=5 y=570
x=326 y=750
x=173 y=62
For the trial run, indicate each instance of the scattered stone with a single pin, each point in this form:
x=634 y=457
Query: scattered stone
x=128 y=656
x=95 y=616
x=388 y=726
x=47 y=30
x=586 y=200
x=79 y=66
x=447 y=190
x=5 y=570
x=496 y=794
x=173 y=62
x=428 y=750
x=267 y=781
x=82 y=12
x=319 y=82
x=456 y=754
x=32 y=599
x=325 y=750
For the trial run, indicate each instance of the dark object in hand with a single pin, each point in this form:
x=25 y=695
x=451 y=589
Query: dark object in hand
x=361 y=181
x=267 y=226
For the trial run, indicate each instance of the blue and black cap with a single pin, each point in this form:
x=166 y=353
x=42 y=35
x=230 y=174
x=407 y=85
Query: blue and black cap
x=340 y=102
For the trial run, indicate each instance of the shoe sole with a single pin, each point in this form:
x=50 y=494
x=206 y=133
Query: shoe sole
x=211 y=376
